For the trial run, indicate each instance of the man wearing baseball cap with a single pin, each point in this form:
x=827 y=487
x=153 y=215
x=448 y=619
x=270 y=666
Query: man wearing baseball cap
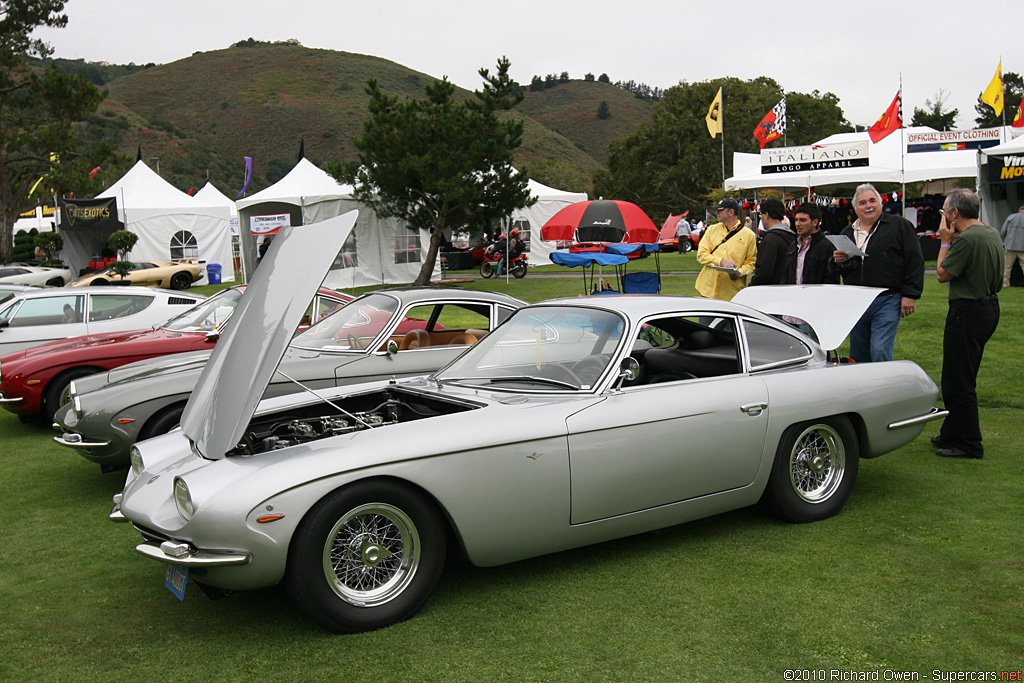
x=726 y=244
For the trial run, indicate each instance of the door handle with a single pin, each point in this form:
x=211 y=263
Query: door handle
x=754 y=409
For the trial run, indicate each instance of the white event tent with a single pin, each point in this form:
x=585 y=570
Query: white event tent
x=885 y=165
x=164 y=218
x=378 y=251
x=549 y=202
x=1000 y=197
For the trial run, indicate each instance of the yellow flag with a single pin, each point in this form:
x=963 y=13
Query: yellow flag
x=714 y=117
x=993 y=95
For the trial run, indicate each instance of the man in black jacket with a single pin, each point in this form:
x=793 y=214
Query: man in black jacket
x=894 y=262
x=811 y=251
x=772 y=264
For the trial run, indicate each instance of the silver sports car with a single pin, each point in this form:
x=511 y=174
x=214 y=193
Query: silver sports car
x=576 y=421
x=391 y=333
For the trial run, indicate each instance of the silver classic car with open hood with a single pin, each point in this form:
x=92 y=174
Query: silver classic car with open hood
x=576 y=421
x=394 y=333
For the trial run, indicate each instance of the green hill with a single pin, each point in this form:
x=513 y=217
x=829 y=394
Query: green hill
x=200 y=115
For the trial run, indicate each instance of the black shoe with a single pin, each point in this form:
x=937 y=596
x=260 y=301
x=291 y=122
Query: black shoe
x=938 y=442
x=956 y=453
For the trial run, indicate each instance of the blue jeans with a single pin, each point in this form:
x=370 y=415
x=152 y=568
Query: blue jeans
x=874 y=336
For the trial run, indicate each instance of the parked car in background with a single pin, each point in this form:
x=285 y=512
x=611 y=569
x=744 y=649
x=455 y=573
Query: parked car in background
x=169 y=274
x=18 y=274
x=36 y=381
x=575 y=422
x=8 y=291
x=36 y=316
x=392 y=333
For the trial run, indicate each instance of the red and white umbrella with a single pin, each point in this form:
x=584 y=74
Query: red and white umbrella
x=601 y=220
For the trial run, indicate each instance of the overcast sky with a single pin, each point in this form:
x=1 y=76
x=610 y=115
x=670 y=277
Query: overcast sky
x=856 y=50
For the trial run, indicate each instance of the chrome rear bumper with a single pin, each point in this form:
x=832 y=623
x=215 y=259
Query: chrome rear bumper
x=933 y=414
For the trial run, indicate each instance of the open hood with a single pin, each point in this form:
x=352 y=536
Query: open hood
x=832 y=310
x=262 y=326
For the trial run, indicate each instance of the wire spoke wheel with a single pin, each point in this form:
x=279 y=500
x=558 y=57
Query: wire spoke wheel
x=371 y=554
x=816 y=463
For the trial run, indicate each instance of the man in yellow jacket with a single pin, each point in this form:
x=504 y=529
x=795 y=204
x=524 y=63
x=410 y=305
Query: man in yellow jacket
x=727 y=244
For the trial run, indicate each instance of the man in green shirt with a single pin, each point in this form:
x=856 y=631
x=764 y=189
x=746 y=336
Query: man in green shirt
x=970 y=260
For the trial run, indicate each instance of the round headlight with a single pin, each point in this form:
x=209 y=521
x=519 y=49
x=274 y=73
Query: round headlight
x=183 y=499
x=136 y=459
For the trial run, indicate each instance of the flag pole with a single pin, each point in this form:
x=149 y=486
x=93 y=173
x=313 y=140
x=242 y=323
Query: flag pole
x=903 y=156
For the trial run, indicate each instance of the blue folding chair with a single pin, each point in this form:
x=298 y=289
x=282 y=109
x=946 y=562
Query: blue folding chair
x=641 y=283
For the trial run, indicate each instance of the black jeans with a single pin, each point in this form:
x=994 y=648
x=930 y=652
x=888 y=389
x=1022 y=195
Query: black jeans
x=969 y=325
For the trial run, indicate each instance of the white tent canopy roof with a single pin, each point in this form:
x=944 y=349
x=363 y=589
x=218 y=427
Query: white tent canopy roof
x=885 y=167
x=214 y=197
x=305 y=183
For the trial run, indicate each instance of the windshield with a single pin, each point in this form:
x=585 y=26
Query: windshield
x=208 y=315
x=352 y=327
x=553 y=348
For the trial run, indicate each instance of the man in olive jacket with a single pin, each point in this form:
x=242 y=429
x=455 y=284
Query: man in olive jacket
x=894 y=262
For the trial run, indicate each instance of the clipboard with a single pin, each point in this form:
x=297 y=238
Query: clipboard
x=730 y=271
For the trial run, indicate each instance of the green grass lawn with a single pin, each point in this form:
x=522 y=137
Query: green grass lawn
x=923 y=570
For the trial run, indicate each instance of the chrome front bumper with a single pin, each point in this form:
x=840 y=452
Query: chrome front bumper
x=933 y=414
x=185 y=555
x=72 y=440
x=4 y=399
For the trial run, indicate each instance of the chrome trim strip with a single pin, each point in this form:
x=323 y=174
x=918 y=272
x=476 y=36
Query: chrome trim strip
x=933 y=414
x=79 y=444
x=197 y=558
x=4 y=399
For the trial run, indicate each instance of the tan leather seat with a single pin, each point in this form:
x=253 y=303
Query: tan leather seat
x=415 y=339
x=464 y=339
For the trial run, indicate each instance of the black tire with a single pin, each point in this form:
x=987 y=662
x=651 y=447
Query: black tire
x=99 y=282
x=55 y=282
x=814 y=470
x=486 y=269
x=56 y=393
x=685 y=245
x=163 y=422
x=519 y=270
x=181 y=280
x=392 y=541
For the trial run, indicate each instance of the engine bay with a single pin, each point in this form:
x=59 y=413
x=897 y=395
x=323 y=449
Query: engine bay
x=341 y=415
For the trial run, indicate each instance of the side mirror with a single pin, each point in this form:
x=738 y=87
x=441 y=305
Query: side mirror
x=4 y=324
x=629 y=369
x=392 y=347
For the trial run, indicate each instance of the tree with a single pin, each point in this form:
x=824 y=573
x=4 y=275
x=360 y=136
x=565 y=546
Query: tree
x=602 y=111
x=588 y=77
x=122 y=242
x=563 y=77
x=560 y=174
x=603 y=78
x=1013 y=91
x=536 y=84
x=440 y=163
x=671 y=163
x=934 y=115
x=37 y=109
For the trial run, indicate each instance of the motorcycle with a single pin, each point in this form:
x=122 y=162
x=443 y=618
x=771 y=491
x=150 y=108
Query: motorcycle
x=489 y=266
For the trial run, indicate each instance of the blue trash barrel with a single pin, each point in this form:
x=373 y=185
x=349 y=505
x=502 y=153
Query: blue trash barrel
x=213 y=273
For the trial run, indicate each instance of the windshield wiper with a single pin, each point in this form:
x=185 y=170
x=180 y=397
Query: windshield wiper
x=532 y=378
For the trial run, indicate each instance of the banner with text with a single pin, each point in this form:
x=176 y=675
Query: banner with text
x=814 y=157
x=950 y=140
x=1006 y=169
x=88 y=214
x=268 y=224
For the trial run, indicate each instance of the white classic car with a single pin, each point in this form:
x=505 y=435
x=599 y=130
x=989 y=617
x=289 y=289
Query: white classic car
x=574 y=422
x=18 y=274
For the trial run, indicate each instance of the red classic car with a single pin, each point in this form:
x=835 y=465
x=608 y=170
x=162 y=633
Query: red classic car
x=35 y=381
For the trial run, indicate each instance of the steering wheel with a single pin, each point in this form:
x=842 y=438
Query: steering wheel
x=565 y=370
x=590 y=367
x=353 y=342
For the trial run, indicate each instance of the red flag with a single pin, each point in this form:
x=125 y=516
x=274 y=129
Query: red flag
x=890 y=121
x=1018 y=120
x=773 y=125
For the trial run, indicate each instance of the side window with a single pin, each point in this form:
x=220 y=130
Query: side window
x=325 y=306
x=51 y=310
x=686 y=347
x=407 y=245
x=116 y=306
x=184 y=245
x=452 y=316
x=769 y=346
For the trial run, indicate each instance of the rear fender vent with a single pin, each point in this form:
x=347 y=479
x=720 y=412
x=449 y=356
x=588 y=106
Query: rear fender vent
x=180 y=301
